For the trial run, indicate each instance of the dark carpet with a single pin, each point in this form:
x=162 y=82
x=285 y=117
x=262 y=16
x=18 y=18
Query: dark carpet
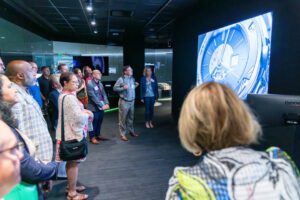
x=134 y=170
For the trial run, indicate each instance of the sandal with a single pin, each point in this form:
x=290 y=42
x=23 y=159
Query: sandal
x=78 y=189
x=77 y=196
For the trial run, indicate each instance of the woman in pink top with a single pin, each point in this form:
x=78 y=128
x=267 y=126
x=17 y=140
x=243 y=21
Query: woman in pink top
x=76 y=120
x=87 y=72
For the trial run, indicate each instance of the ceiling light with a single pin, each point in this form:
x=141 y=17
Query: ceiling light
x=89 y=6
x=95 y=31
x=93 y=22
x=2 y=37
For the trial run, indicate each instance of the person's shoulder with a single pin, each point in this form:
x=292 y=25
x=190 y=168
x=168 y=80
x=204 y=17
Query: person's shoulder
x=101 y=83
x=120 y=79
x=41 y=78
x=90 y=83
x=179 y=173
x=185 y=170
x=54 y=92
x=281 y=157
x=67 y=96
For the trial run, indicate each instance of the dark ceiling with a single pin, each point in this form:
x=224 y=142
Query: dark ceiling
x=68 y=20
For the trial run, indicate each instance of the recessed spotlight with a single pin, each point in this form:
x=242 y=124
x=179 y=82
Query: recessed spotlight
x=93 y=20
x=89 y=6
x=2 y=37
x=95 y=31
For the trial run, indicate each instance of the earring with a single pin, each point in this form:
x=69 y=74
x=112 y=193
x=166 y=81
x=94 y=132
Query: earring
x=197 y=153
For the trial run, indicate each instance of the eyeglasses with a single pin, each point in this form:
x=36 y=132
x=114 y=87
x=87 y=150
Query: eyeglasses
x=75 y=82
x=17 y=147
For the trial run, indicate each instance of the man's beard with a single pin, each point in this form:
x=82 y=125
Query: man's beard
x=30 y=82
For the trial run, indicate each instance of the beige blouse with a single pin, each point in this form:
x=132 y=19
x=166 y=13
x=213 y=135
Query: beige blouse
x=75 y=120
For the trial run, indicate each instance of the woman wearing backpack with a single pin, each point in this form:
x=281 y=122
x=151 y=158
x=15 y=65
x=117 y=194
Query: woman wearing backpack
x=218 y=127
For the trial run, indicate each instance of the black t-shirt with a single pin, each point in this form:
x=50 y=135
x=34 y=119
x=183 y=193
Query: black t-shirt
x=45 y=86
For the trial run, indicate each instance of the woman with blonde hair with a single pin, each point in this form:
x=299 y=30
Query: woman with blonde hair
x=217 y=126
x=149 y=94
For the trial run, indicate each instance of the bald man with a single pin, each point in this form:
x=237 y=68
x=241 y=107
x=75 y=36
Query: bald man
x=28 y=113
x=34 y=90
x=10 y=157
x=98 y=102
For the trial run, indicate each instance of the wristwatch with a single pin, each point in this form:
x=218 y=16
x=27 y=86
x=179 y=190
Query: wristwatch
x=237 y=55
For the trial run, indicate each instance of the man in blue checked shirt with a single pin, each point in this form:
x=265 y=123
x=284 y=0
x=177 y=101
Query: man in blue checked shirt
x=34 y=90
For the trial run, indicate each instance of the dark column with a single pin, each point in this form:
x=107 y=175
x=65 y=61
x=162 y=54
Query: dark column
x=134 y=54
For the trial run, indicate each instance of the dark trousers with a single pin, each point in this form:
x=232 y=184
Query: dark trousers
x=97 y=122
x=149 y=108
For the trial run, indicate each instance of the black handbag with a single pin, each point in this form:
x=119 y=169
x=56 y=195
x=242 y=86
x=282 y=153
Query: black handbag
x=71 y=149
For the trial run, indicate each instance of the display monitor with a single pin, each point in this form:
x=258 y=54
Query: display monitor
x=96 y=62
x=237 y=55
x=279 y=116
x=275 y=109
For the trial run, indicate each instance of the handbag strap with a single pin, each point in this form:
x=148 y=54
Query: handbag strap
x=62 y=120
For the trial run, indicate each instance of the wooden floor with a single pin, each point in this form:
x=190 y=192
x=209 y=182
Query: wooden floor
x=134 y=170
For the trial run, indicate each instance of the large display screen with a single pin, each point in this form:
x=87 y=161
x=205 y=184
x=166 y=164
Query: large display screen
x=96 y=62
x=237 y=55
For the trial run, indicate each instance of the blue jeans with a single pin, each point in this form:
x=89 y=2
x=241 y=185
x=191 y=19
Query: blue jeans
x=149 y=108
x=97 y=122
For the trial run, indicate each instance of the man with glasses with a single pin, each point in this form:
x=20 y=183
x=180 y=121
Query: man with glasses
x=98 y=102
x=10 y=157
x=28 y=113
x=126 y=86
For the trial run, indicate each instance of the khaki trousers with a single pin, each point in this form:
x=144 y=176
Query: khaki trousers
x=126 y=117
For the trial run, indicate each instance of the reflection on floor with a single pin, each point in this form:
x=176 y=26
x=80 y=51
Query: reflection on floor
x=134 y=170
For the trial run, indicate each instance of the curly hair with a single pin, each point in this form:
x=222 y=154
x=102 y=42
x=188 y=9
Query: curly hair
x=5 y=109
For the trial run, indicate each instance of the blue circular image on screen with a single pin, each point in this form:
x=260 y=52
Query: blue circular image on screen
x=237 y=55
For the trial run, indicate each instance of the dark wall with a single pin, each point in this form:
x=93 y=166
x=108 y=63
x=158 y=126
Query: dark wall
x=134 y=54
x=7 y=58
x=210 y=15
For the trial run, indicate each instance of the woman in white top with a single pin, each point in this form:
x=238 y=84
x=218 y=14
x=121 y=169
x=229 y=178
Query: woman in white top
x=76 y=127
